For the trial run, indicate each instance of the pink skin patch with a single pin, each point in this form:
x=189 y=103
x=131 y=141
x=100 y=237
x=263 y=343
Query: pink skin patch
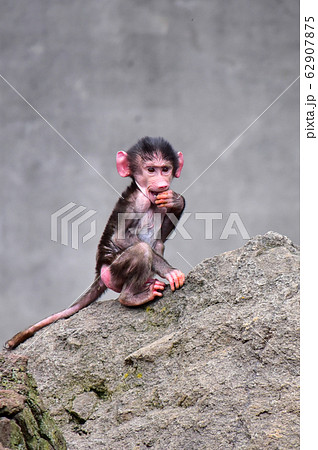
x=107 y=279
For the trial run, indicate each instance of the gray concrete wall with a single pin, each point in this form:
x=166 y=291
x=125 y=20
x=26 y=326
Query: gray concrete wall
x=104 y=74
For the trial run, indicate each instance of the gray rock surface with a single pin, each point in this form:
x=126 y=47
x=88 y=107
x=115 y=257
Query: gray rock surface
x=211 y=366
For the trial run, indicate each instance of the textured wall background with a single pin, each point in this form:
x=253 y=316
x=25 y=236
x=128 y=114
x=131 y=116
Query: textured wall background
x=104 y=74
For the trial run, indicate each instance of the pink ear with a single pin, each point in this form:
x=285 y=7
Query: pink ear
x=180 y=158
x=122 y=164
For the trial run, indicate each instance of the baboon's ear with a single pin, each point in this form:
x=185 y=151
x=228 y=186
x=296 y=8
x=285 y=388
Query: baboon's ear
x=180 y=158
x=122 y=164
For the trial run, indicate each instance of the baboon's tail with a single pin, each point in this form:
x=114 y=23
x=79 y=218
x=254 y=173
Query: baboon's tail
x=92 y=294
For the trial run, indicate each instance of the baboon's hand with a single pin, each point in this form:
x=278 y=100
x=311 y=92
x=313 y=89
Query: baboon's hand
x=176 y=279
x=169 y=199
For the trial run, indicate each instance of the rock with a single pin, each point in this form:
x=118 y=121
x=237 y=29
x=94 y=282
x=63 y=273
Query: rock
x=10 y=402
x=24 y=423
x=83 y=406
x=152 y=351
x=212 y=365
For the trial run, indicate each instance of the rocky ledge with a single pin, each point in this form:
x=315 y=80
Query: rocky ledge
x=213 y=365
